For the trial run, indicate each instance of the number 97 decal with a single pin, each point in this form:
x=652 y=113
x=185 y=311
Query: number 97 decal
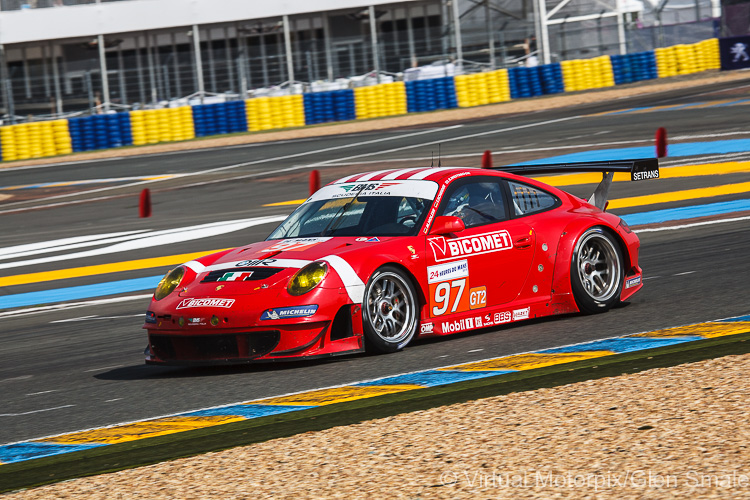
x=450 y=297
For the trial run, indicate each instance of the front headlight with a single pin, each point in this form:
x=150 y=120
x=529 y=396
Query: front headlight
x=169 y=282
x=307 y=278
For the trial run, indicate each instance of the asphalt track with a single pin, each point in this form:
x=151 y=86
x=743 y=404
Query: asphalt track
x=68 y=369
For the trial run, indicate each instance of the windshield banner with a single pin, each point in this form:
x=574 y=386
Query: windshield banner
x=408 y=188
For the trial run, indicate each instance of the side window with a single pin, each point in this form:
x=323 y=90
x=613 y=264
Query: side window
x=476 y=203
x=528 y=200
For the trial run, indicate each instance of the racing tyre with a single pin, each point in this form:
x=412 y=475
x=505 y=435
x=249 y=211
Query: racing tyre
x=389 y=311
x=596 y=274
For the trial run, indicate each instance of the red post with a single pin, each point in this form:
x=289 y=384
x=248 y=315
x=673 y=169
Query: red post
x=661 y=142
x=144 y=205
x=487 y=159
x=314 y=181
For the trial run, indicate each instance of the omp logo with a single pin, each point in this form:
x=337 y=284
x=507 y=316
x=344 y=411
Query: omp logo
x=368 y=187
x=426 y=328
x=495 y=241
x=186 y=303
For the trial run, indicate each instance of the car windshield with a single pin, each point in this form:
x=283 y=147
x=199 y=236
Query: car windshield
x=361 y=209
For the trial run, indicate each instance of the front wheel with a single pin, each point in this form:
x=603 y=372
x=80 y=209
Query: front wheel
x=596 y=274
x=389 y=311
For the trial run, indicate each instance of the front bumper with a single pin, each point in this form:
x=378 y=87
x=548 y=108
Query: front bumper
x=340 y=334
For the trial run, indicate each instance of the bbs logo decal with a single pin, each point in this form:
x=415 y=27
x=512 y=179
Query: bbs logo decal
x=495 y=241
x=368 y=187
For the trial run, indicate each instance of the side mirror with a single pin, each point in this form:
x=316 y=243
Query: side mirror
x=447 y=224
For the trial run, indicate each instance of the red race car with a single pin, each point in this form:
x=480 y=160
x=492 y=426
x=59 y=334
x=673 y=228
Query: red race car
x=374 y=260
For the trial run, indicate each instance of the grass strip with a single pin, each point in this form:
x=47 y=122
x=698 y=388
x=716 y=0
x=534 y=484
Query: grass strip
x=158 y=449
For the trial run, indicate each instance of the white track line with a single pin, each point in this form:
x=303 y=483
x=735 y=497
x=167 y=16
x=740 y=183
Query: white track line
x=685 y=226
x=245 y=164
x=15 y=313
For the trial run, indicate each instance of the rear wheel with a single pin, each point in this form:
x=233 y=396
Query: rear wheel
x=596 y=274
x=389 y=310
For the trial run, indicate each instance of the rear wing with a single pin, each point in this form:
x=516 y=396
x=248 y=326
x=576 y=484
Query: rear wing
x=640 y=169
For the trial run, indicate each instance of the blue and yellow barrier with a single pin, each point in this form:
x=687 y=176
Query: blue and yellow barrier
x=585 y=74
x=161 y=125
x=219 y=118
x=330 y=106
x=266 y=113
x=431 y=94
x=35 y=140
x=686 y=59
x=634 y=67
x=385 y=99
x=139 y=127
x=482 y=88
x=537 y=80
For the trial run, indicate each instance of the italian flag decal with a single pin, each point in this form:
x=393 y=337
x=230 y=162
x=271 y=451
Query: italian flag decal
x=238 y=276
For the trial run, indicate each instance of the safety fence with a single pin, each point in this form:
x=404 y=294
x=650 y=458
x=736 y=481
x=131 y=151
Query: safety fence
x=139 y=127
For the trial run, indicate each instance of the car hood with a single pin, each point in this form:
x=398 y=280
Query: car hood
x=270 y=264
x=284 y=253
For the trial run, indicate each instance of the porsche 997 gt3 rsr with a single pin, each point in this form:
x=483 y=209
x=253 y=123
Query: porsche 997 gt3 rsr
x=374 y=260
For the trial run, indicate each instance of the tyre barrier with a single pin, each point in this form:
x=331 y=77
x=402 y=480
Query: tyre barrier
x=431 y=94
x=631 y=68
x=219 y=118
x=35 y=140
x=139 y=127
x=384 y=99
x=534 y=81
x=160 y=125
x=685 y=59
x=99 y=132
x=266 y=113
x=584 y=74
x=482 y=88
x=329 y=106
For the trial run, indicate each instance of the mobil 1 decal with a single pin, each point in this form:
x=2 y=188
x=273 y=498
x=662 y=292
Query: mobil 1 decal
x=450 y=291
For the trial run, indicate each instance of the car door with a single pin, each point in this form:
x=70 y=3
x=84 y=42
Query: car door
x=487 y=263
x=535 y=208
